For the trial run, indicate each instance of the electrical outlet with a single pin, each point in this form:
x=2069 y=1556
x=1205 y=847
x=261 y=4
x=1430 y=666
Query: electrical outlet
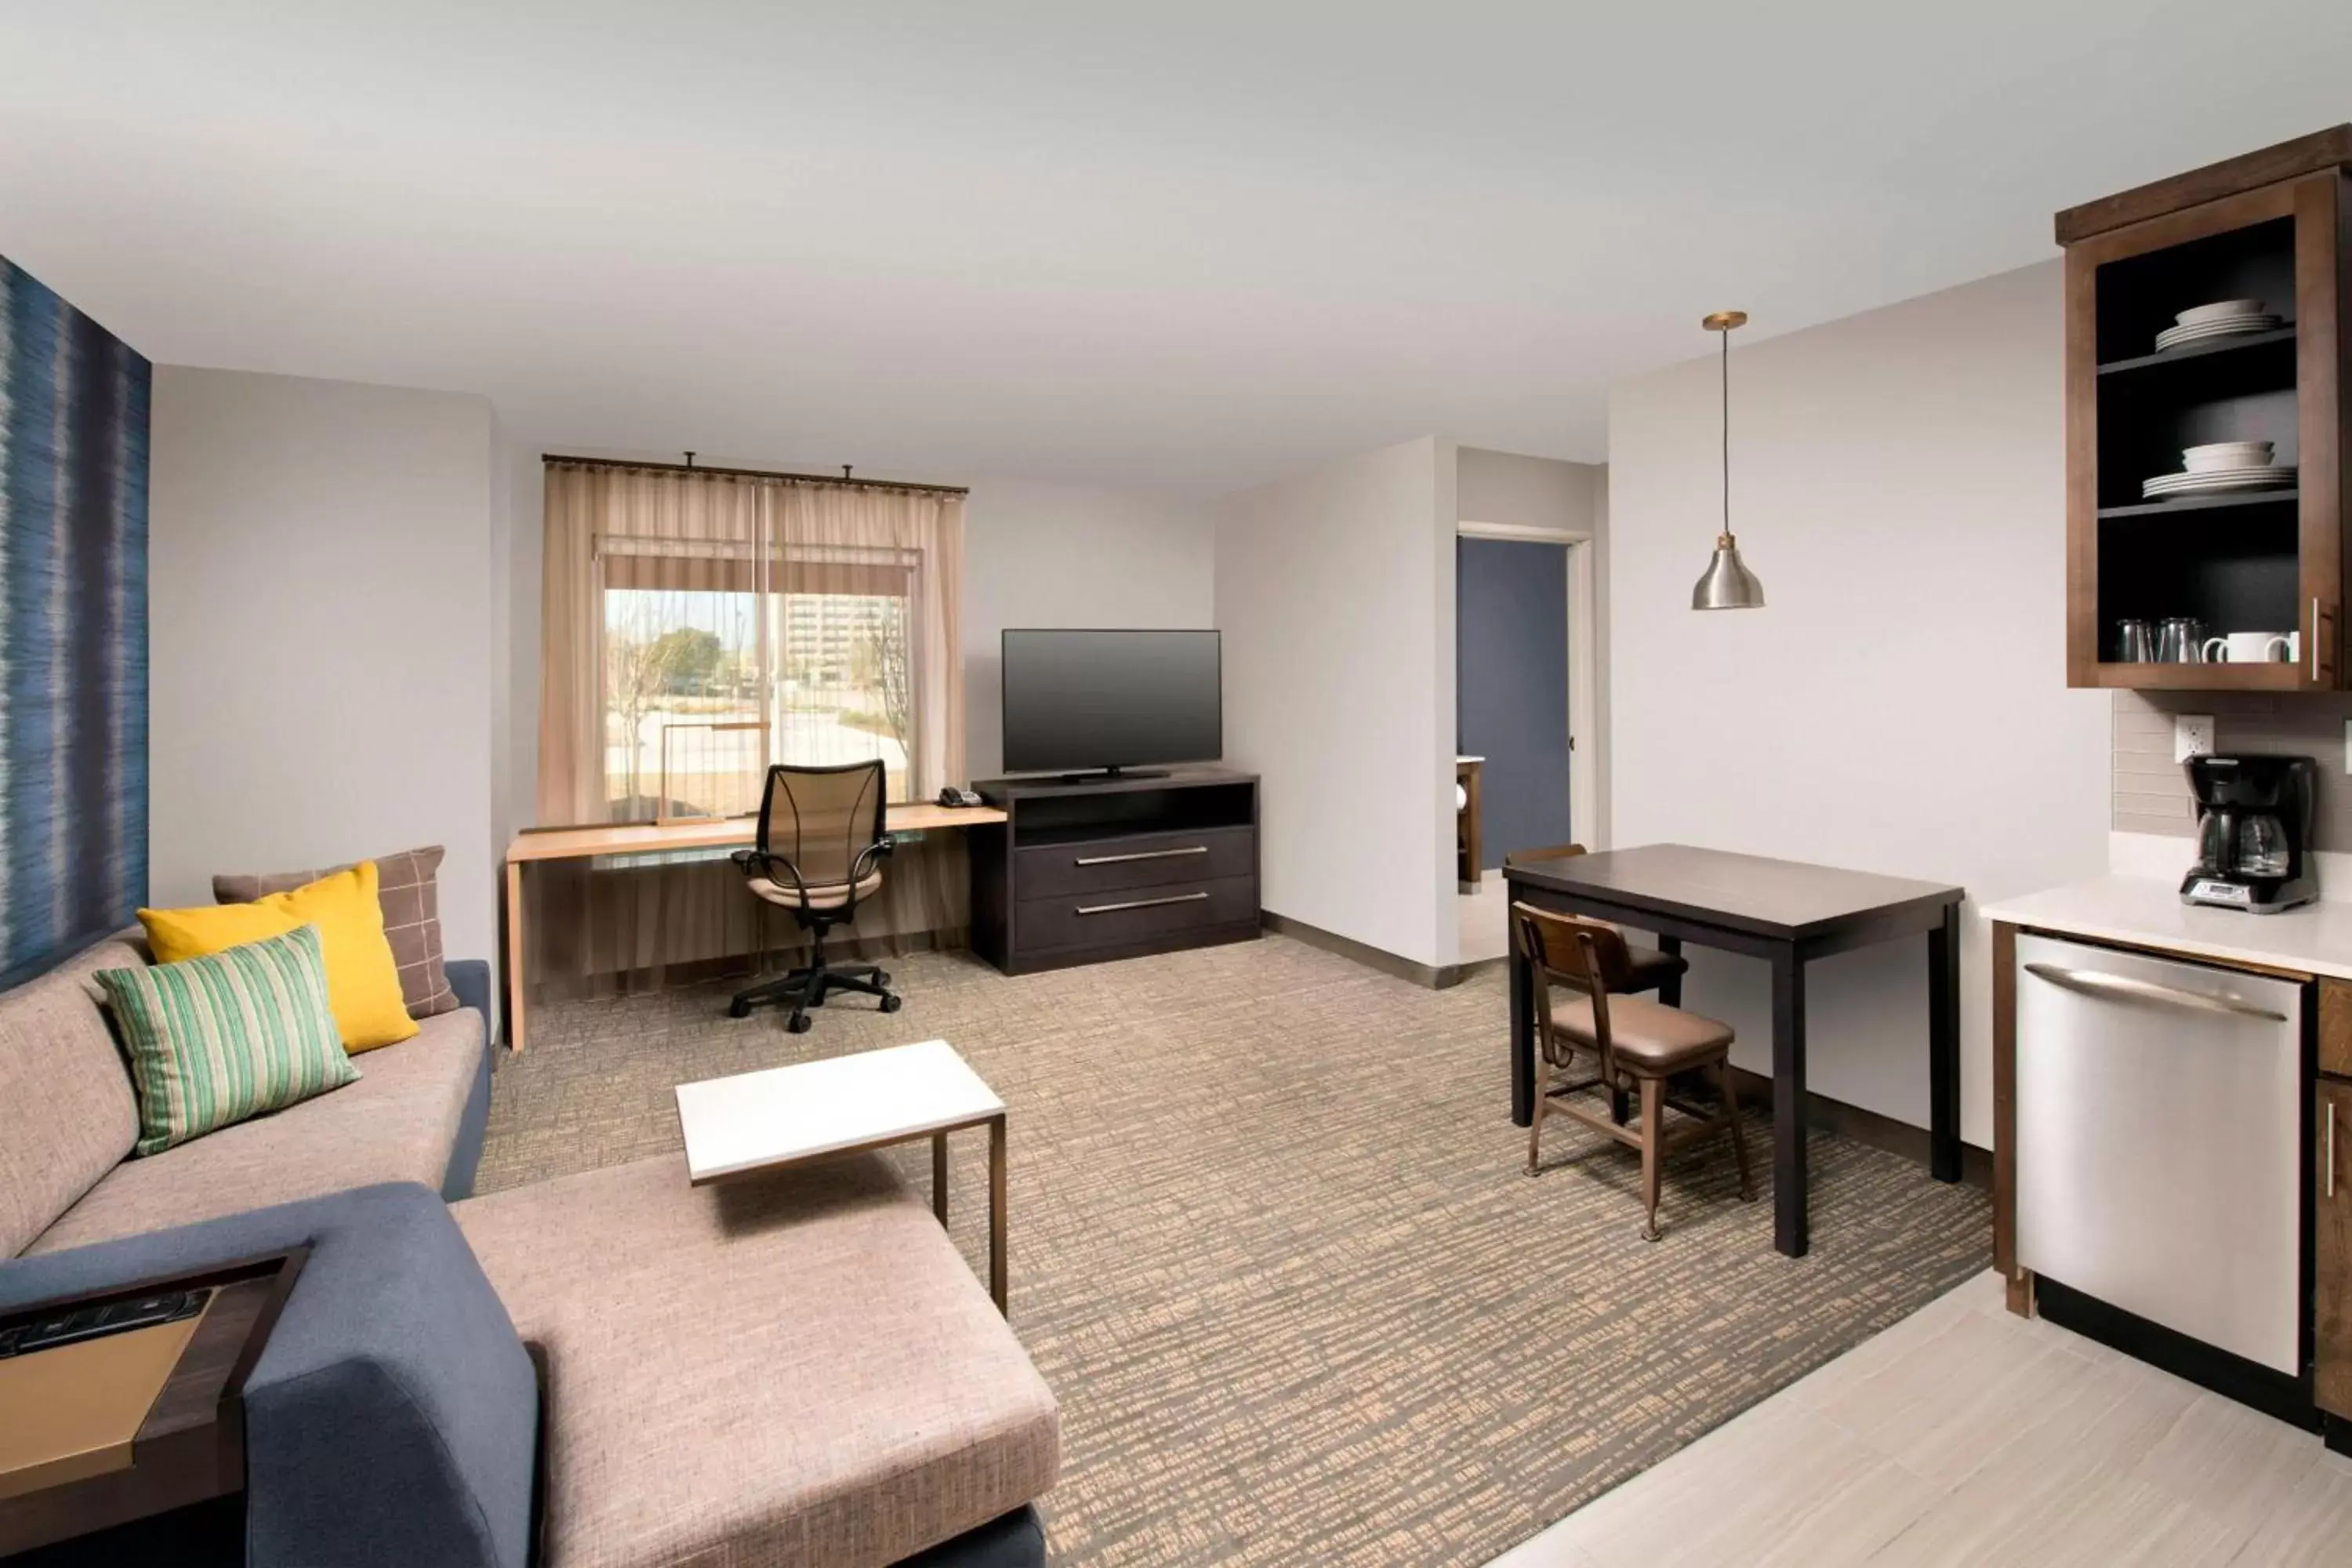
x=2192 y=736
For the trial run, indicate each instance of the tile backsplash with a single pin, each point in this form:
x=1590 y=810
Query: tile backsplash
x=2151 y=792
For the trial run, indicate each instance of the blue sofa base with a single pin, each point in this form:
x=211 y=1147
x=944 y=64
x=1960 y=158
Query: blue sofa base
x=212 y=1535
x=207 y=1535
x=1015 y=1541
x=470 y=979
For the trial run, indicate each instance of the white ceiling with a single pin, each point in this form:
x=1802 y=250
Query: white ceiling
x=1199 y=247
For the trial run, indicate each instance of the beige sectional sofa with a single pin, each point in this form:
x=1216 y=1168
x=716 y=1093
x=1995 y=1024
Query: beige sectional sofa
x=70 y=1118
x=802 y=1371
x=808 y=1364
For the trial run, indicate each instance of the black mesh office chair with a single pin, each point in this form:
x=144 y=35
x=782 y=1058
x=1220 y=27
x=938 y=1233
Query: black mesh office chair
x=820 y=855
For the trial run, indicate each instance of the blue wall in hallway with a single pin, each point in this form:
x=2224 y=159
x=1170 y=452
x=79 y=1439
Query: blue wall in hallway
x=1511 y=686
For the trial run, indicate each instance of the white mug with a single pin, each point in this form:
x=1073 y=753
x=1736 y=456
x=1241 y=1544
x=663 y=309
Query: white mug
x=2252 y=647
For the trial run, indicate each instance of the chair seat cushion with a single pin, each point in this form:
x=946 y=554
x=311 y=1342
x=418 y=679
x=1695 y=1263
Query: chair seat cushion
x=795 y=1368
x=821 y=895
x=1649 y=1037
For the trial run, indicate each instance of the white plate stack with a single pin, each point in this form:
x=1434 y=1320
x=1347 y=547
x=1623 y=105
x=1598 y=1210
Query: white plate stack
x=2223 y=319
x=2221 y=466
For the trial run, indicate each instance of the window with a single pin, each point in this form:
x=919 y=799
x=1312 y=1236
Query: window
x=725 y=637
x=846 y=693
x=704 y=689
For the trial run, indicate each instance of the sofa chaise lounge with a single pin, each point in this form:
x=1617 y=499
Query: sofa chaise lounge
x=802 y=1371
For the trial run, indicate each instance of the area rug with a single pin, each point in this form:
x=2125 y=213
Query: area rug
x=1271 y=1247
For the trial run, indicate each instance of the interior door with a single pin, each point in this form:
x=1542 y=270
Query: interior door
x=1511 y=689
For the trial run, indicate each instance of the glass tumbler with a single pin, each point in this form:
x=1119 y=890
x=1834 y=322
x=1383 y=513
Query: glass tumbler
x=2180 y=640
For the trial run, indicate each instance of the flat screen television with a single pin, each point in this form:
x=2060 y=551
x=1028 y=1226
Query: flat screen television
x=1077 y=701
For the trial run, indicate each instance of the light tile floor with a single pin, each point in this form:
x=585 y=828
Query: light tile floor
x=1964 y=1435
x=1485 y=919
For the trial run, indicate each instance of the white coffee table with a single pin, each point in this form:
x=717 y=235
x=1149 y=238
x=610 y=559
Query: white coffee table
x=755 y=1122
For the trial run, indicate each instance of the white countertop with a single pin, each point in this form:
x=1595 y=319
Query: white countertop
x=2315 y=939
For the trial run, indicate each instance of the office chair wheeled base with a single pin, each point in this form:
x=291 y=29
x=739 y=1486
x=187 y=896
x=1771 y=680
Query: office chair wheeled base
x=808 y=986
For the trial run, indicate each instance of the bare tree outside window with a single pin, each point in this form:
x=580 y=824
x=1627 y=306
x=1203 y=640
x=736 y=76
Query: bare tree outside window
x=644 y=665
x=891 y=671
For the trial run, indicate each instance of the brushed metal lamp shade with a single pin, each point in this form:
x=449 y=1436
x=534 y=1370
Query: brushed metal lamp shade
x=1728 y=584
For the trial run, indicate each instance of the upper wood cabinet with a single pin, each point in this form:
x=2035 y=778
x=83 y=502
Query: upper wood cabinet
x=2276 y=227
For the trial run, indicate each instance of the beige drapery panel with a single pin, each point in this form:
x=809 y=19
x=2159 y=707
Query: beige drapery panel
x=629 y=921
x=725 y=533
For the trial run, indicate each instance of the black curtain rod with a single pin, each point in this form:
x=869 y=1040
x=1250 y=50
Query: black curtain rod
x=758 y=474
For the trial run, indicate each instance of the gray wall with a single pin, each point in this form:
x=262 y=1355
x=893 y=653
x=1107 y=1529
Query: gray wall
x=1899 y=481
x=1335 y=592
x=2151 y=791
x=1041 y=554
x=322 y=619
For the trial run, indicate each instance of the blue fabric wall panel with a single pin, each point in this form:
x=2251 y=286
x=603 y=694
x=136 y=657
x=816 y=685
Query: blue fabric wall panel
x=74 y=404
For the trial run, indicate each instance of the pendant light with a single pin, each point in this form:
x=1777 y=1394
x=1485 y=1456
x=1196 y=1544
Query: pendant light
x=1728 y=584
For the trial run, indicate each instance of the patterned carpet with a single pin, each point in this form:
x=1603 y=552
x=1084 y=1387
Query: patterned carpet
x=1271 y=1247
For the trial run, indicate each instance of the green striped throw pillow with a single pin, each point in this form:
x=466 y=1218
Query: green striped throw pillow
x=215 y=1040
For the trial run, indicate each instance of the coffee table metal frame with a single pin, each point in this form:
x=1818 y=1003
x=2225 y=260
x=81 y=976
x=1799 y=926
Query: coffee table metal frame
x=864 y=1127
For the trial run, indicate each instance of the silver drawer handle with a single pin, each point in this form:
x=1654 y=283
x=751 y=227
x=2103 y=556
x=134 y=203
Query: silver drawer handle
x=2331 y=1148
x=1141 y=904
x=2120 y=986
x=1140 y=855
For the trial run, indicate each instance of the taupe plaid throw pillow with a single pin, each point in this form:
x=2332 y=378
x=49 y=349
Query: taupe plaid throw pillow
x=411 y=918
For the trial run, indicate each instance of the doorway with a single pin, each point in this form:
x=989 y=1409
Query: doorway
x=1522 y=613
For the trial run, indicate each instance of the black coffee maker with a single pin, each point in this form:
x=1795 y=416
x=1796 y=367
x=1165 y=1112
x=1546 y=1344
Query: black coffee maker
x=2253 y=832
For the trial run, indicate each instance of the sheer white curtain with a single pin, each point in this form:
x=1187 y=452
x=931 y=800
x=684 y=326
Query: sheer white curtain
x=697 y=626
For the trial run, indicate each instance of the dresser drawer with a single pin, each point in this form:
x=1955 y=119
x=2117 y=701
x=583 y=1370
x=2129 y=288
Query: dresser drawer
x=1133 y=914
x=1137 y=860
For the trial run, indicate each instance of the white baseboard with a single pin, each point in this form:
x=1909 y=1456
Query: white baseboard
x=2164 y=856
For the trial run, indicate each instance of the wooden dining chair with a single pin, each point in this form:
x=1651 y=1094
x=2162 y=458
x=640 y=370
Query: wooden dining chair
x=1641 y=1047
x=1658 y=969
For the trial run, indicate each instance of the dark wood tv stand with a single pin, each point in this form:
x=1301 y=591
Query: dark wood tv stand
x=1113 y=867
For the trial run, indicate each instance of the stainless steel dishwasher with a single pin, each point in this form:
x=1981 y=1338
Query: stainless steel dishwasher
x=2159 y=1142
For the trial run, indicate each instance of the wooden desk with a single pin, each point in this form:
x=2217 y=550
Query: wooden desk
x=1785 y=913
x=655 y=838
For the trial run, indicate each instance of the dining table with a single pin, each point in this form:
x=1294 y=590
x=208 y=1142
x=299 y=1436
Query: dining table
x=1786 y=912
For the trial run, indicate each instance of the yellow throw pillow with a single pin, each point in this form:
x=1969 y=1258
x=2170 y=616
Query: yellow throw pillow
x=362 y=980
